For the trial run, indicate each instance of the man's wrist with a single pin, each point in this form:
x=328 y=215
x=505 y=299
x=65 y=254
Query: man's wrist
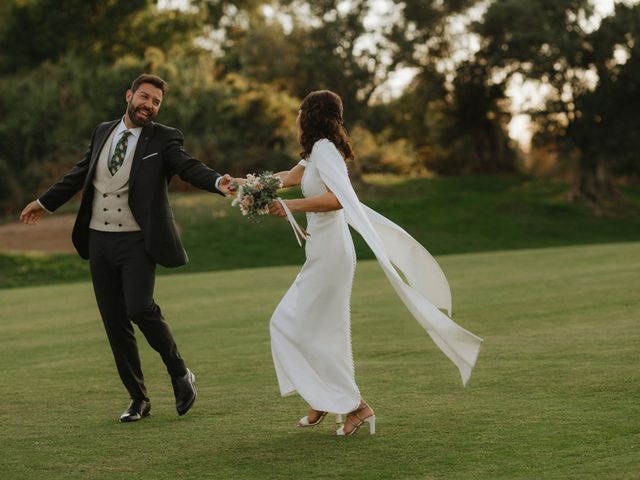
x=42 y=206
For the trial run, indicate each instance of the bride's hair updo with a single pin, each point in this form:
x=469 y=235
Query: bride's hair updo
x=321 y=117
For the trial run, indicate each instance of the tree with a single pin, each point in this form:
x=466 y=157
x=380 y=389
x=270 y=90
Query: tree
x=322 y=50
x=452 y=111
x=468 y=127
x=554 y=42
x=41 y=30
x=606 y=123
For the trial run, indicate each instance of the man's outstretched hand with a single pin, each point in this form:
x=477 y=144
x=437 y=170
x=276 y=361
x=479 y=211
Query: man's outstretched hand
x=32 y=213
x=226 y=185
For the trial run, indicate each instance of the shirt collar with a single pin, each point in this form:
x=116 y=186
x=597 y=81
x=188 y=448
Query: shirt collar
x=135 y=132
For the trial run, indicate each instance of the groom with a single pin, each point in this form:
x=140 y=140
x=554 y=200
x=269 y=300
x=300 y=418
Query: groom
x=125 y=226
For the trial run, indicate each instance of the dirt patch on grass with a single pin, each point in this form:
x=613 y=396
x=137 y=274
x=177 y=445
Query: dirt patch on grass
x=52 y=234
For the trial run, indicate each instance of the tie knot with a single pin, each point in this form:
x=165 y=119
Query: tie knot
x=126 y=133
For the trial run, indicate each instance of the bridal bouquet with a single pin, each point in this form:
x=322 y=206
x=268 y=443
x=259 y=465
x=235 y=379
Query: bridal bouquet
x=255 y=195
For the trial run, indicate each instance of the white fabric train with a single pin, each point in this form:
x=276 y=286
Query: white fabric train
x=426 y=289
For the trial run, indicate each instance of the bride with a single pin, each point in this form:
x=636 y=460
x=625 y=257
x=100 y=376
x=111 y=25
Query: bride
x=310 y=328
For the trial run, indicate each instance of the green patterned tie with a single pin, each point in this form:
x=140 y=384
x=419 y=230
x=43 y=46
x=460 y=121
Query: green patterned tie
x=118 y=155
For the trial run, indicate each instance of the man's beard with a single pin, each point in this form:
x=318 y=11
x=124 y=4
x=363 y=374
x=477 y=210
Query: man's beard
x=135 y=119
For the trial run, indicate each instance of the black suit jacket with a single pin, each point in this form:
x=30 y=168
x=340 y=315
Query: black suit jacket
x=148 y=182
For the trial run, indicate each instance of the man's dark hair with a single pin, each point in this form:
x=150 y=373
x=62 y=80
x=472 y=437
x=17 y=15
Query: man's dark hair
x=153 y=80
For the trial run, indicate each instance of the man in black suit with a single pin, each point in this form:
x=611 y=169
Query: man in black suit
x=125 y=226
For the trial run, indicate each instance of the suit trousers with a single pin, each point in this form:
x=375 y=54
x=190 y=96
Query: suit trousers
x=123 y=276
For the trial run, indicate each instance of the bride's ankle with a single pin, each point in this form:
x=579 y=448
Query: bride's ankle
x=363 y=408
x=314 y=415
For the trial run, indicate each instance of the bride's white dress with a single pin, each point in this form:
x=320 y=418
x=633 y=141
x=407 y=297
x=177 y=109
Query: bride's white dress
x=310 y=328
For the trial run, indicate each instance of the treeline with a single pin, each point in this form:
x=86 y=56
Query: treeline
x=238 y=70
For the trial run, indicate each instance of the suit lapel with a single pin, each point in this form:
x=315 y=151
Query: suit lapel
x=145 y=135
x=95 y=154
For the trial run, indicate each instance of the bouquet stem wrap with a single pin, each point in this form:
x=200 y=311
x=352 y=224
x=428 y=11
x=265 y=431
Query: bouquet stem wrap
x=299 y=232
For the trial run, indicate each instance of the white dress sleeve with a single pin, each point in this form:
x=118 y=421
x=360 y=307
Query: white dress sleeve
x=426 y=289
x=303 y=162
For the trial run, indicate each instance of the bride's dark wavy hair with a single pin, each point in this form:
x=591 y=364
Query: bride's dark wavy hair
x=321 y=116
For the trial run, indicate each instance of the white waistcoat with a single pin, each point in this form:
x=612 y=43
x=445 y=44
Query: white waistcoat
x=111 y=212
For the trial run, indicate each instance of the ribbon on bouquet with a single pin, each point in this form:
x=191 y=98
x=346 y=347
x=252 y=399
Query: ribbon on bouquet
x=299 y=232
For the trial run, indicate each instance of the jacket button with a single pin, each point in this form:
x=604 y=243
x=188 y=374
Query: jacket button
x=119 y=224
x=106 y=223
x=119 y=209
x=104 y=195
x=118 y=196
x=104 y=209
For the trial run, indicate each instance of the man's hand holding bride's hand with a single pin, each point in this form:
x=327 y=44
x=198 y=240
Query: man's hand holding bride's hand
x=226 y=185
x=231 y=184
x=276 y=209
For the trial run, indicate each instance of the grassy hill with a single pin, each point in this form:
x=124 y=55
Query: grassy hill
x=447 y=215
x=554 y=394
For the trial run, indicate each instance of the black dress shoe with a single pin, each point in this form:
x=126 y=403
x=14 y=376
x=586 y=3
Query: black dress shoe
x=184 y=389
x=138 y=409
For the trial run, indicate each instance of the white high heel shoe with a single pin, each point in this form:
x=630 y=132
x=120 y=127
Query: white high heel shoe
x=304 y=421
x=370 y=420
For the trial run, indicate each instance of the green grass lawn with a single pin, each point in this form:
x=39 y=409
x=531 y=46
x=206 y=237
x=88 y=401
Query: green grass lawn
x=554 y=394
x=447 y=215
